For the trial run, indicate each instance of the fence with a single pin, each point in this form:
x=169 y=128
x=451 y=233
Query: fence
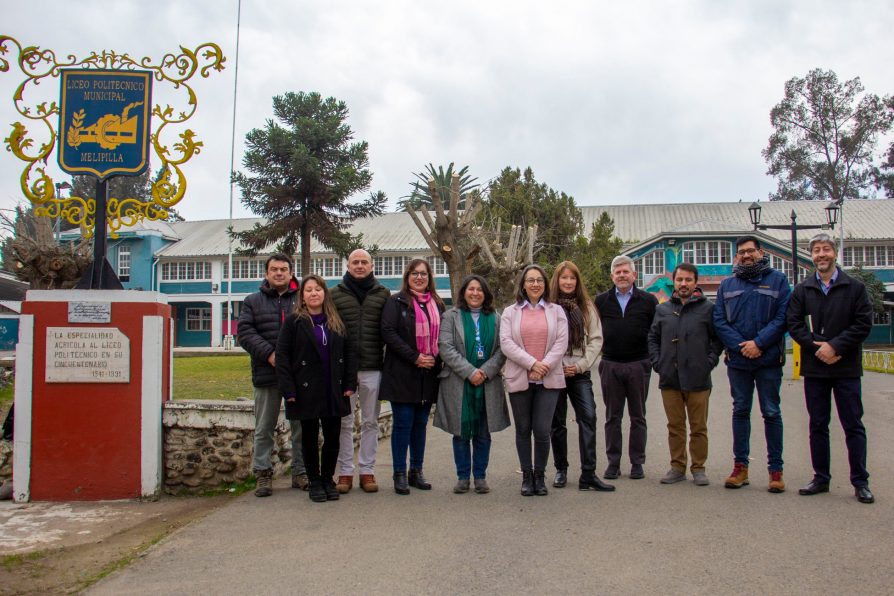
x=878 y=361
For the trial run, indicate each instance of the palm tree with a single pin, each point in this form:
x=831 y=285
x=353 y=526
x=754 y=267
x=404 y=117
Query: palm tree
x=419 y=197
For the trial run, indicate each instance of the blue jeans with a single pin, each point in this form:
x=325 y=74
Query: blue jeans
x=408 y=426
x=472 y=456
x=742 y=384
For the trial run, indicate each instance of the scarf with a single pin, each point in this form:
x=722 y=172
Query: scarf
x=427 y=327
x=473 y=397
x=577 y=335
x=359 y=287
x=754 y=270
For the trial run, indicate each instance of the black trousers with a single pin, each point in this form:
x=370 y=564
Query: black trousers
x=579 y=390
x=320 y=463
x=625 y=382
x=818 y=393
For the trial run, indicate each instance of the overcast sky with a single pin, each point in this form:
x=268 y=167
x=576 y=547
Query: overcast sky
x=610 y=102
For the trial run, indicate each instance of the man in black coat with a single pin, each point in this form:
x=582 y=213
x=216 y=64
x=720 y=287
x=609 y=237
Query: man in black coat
x=830 y=316
x=260 y=321
x=684 y=349
x=624 y=371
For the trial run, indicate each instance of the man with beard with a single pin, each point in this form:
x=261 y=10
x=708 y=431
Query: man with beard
x=684 y=349
x=830 y=316
x=749 y=317
x=360 y=299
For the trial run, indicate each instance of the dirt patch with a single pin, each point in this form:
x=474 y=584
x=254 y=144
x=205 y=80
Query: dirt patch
x=62 y=548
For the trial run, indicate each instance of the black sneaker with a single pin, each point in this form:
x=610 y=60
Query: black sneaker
x=330 y=490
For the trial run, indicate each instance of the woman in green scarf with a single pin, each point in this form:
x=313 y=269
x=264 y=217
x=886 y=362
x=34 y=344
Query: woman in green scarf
x=471 y=398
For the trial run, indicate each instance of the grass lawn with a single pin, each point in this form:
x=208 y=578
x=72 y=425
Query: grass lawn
x=212 y=377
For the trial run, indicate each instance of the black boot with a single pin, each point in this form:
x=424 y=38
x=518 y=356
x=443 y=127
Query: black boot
x=561 y=478
x=316 y=492
x=400 y=483
x=540 y=484
x=330 y=490
x=417 y=480
x=590 y=481
x=527 y=489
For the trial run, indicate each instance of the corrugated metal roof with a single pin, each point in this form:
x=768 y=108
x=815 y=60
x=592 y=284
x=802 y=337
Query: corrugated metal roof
x=391 y=232
x=864 y=220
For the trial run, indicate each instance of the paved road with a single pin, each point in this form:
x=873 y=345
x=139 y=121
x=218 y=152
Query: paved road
x=644 y=538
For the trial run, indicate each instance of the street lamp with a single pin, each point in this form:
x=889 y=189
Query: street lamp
x=754 y=214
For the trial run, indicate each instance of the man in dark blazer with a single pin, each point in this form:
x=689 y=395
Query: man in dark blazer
x=830 y=316
x=624 y=371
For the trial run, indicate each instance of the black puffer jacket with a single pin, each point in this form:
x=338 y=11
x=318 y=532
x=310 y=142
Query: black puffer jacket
x=843 y=318
x=260 y=320
x=683 y=346
x=402 y=380
x=363 y=322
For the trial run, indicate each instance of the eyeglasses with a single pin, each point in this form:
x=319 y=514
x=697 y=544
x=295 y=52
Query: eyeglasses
x=534 y=281
x=746 y=251
x=418 y=274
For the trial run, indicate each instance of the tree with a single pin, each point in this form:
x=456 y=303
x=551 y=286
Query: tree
x=824 y=139
x=420 y=198
x=516 y=198
x=593 y=255
x=874 y=287
x=305 y=168
x=34 y=256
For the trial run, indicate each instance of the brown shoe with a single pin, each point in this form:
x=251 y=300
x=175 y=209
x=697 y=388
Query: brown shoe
x=344 y=484
x=300 y=481
x=777 y=484
x=264 y=485
x=368 y=483
x=739 y=476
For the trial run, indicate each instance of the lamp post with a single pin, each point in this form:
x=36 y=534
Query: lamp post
x=754 y=213
x=60 y=186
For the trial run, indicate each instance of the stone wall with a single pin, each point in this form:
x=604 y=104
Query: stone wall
x=209 y=443
x=5 y=460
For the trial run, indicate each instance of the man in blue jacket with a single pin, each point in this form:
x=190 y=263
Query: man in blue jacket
x=749 y=317
x=830 y=316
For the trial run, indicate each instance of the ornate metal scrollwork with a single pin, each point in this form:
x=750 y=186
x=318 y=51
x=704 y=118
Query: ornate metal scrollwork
x=39 y=65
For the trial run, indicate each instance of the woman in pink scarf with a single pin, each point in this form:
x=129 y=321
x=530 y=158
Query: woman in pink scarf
x=411 y=321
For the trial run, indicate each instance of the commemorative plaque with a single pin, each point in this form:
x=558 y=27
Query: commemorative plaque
x=87 y=355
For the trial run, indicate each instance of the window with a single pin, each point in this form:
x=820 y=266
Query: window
x=708 y=252
x=785 y=265
x=124 y=262
x=198 y=319
x=186 y=271
x=245 y=269
x=869 y=256
x=649 y=266
x=438 y=266
x=327 y=266
x=881 y=318
x=390 y=266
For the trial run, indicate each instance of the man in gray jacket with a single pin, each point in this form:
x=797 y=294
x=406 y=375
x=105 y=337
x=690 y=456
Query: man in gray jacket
x=360 y=299
x=260 y=320
x=684 y=349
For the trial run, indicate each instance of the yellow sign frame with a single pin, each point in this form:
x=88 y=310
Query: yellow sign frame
x=38 y=64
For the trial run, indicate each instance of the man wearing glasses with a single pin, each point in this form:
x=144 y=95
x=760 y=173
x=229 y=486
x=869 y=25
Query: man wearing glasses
x=625 y=369
x=749 y=317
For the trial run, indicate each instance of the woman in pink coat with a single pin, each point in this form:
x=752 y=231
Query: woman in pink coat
x=534 y=337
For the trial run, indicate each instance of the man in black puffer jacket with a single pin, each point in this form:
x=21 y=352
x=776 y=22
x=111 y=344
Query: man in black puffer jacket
x=260 y=320
x=684 y=349
x=360 y=299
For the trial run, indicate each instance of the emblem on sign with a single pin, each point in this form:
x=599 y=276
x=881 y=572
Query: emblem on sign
x=104 y=122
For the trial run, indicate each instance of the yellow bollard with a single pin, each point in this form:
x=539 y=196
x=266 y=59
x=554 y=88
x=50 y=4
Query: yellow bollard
x=796 y=360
